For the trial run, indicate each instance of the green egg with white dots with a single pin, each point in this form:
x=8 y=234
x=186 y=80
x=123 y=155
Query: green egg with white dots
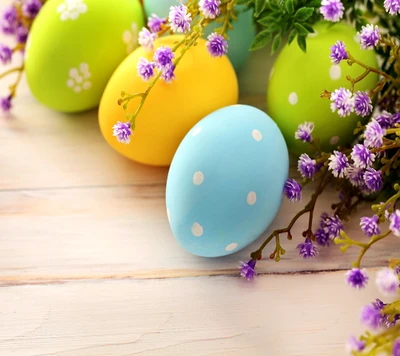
x=297 y=80
x=74 y=46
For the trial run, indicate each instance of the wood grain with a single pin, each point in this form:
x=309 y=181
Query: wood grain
x=309 y=315
x=89 y=267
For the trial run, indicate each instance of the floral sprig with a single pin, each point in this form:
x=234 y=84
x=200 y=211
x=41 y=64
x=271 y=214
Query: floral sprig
x=190 y=20
x=16 y=22
x=367 y=170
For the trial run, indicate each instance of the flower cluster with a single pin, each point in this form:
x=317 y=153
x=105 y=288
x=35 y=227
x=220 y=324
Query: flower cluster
x=16 y=21
x=161 y=62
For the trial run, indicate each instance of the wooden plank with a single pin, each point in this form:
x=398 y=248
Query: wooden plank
x=77 y=233
x=276 y=316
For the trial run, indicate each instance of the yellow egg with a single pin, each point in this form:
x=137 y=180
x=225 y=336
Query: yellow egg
x=203 y=84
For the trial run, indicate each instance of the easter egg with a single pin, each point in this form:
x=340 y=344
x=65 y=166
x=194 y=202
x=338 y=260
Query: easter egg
x=74 y=47
x=297 y=80
x=225 y=182
x=203 y=84
x=240 y=37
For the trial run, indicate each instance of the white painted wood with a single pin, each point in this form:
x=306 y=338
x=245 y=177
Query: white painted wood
x=309 y=315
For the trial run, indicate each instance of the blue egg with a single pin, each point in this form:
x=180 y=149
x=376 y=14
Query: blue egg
x=226 y=180
x=240 y=38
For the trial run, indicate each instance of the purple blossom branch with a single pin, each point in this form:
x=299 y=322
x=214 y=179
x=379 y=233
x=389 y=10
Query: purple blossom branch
x=308 y=209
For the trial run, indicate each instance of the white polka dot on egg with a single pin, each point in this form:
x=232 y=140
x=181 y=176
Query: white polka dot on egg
x=335 y=72
x=251 y=198
x=231 y=247
x=293 y=98
x=197 y=229
x=334 y=140
x=271 y=73
x=196 y=131
x=198 y=178
x=257 y=135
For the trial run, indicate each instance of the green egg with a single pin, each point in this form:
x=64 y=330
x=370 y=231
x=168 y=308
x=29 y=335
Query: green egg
x=74 y=47
x=297 y=80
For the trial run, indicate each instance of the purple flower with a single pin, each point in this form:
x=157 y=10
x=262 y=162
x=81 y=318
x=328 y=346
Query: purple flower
x=292 y=190
x=154 y=23
x=5 y=54
x=22 y=34
x=387 y=282
x=362 y=103
x=373 y=134
x=371 y=317
x=163 y=58
x=332 y=10
x=396 y=118
x=373 y=179
x=216 y=45
x=168 y=74
x=331 y=224
x=5 y=103
x=145 y=69
x=353 y=344
x=179 y=18
x=304 y=132
x=362 y=156
x=396 y=348
x=355 y=175
x=307 y=249
x=370 y=225
x=30 y=8
x=9 y=21
x=209 y=8
x=247 y=270
x=146 y=39
x=385 y=120
x=392 y=6
x=322 y=237
x=395 y=222
x=338 y=52
x=307 y=166
x=342 y=101
x=338 y=163
x=357 y=278
x=369 y=36
x=122 y=131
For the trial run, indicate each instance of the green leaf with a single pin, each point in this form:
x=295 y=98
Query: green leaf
x=301 y=40
x=292 y=36
x=268 y=20
x=314 y=3
x=289 y=4
x=261 y=40
x=259 y=7
x=308 y=27
x=304 y=13
x=276 y=43
x=302 y=31
x=242 y=2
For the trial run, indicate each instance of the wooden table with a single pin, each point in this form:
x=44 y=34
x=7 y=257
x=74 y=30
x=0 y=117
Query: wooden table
x=89 y=267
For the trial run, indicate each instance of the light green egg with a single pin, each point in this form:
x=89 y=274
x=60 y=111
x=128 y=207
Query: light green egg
x=74 y=47
x=297 y=80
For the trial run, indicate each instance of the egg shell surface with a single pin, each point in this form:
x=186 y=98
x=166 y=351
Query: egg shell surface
x=240 y=37
x=74 y=46
x=203 y=84
x=225 y=183
x=297 y=80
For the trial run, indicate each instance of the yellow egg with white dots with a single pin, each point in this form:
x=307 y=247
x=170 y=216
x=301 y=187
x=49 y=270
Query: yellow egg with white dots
x=203 y=84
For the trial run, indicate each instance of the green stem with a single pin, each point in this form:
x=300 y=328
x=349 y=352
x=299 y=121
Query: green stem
x=367 y=246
